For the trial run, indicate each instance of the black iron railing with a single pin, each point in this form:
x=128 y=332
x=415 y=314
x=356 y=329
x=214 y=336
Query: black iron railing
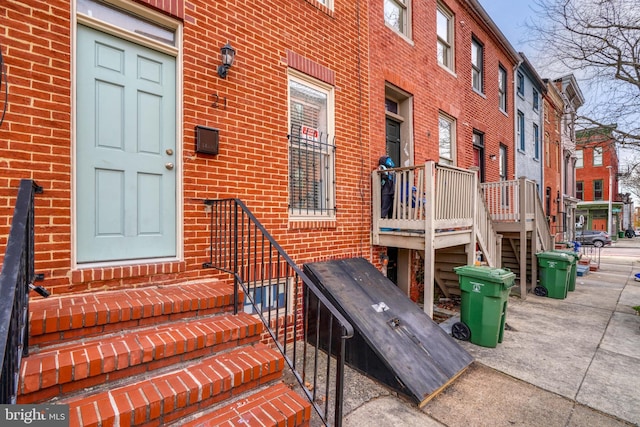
x=289 y=304
x=16 y=278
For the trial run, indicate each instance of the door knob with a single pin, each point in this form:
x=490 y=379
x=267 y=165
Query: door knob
x=168 y=166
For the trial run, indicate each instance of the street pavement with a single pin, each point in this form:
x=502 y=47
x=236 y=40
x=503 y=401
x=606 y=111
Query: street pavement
x=571 y=362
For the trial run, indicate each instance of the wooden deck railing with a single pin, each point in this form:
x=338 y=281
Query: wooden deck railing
x=443 y=195
x=490 y=242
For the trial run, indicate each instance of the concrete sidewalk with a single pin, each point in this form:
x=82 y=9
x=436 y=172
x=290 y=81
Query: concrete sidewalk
x=571 y=362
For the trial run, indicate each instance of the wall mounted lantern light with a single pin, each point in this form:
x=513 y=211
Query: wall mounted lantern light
x=228 y=54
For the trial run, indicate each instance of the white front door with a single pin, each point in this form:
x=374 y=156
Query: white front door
x=125 y=150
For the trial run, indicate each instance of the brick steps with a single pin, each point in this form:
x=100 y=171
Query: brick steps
x=168 y=397
x=71 y=367
x=55 y=320
x=277 y=405
x=156 y=356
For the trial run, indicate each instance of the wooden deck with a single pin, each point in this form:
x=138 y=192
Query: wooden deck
x=437 y=207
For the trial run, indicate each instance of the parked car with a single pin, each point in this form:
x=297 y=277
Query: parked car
x=637 y=232
x=597 y=238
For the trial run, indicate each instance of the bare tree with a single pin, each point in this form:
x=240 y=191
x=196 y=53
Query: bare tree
x=599 y=42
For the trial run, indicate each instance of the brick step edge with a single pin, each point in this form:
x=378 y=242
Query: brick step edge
x=277 y=405
x=78 y=365
x=166 y=398
x=56 y=319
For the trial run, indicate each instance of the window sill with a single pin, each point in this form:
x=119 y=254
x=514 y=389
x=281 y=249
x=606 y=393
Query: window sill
x=401 y=34
x=448 y=70
x=478 y=92
x=312 y=224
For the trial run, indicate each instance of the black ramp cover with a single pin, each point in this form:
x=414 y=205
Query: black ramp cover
x=395 y=340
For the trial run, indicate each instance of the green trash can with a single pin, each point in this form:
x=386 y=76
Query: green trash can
x=571 y=283
x=620 y=234
x=483 y=305
x=554 y=274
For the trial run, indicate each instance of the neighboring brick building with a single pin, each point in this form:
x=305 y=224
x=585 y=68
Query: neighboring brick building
x=552 y=158
x=441 y=88
x=294 y=59
x=596 y=178
x=573 y=100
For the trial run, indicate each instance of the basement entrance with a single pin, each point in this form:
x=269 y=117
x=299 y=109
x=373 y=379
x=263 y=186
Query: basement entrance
x=395 y=342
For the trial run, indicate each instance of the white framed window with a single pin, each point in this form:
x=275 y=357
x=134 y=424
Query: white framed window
x=521 y=140
x=268 y=295
x=536 y=142
x=447 y=138
x=328 y=3
x=397 y=15
x=445 y=48
x=597 y=156
x=579 y=159
x=502 y=88
x=311 y=148
x=477 y=65
x=536 y=100
x=520 y=84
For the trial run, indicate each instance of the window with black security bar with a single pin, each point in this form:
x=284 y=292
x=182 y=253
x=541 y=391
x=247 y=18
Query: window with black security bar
x=310 y=172
x=311 y=154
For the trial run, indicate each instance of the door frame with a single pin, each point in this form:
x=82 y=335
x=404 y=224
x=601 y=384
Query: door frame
x=175 y=51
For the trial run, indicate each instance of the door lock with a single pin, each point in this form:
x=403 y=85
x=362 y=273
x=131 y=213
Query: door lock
x=168 y=166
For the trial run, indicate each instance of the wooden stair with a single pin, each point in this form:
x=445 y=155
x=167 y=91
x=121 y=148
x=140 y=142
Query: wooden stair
x=157 y=356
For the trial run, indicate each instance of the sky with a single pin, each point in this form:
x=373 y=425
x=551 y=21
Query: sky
x=510 y=16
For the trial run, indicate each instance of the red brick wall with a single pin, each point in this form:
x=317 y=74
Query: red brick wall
x=412 y=66
x=553 y=112
x=36 y=137
x=590 y=173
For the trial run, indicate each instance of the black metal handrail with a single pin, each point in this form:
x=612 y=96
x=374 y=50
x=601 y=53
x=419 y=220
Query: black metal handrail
x=15 y=280
x=294 y=311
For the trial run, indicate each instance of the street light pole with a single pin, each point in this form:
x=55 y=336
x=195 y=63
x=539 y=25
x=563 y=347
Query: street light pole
x=609 y=216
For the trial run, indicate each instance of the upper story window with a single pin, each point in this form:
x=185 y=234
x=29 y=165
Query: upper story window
x=311 y=149
x=579 y=159
x=520 y=129
x=598 y=189
x=396 y=15
x=477 y=66
x=502 y=89
x=536 y=100
x=520 y=83
x=536 y=142
x=580 y=190
x=446 y=138
x=328 y=3
x=547 y=150
x=597 y=156
x=444 y=20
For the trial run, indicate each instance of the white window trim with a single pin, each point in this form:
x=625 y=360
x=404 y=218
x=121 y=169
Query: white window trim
x=451 y=35
x=503 y=93
x=480 y=68
x=285 y=283
x=405 y=6
x=598 y=150
x=579 y=159
x=330 y=214
x=452 y=121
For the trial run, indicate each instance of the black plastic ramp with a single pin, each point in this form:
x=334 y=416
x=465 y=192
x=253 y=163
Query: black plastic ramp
x=395 y=341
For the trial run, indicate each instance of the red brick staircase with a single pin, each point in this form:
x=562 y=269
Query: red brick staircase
x=170 y=355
